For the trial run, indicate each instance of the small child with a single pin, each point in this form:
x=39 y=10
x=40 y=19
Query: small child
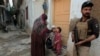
x=51 y=37
x=57 y=41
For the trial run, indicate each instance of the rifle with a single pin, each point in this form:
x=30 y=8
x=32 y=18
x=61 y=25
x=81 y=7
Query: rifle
x=76 y=39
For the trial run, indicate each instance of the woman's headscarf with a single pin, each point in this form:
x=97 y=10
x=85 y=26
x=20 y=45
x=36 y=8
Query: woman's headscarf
x=40 y=23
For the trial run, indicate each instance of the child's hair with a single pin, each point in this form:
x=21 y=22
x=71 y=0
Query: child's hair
x=59 y=29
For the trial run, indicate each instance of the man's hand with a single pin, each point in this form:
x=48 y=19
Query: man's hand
x=90 y=38
x=79 y=43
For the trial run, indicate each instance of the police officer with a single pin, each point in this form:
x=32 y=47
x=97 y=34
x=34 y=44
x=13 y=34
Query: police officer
x=88 y=29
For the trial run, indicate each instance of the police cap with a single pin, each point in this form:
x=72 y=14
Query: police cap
x=87 y=4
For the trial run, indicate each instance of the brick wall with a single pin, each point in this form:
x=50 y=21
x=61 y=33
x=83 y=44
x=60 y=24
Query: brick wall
x=96 y=9
x=94 y=50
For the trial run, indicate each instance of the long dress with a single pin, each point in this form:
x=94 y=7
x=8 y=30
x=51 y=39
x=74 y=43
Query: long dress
x=38 y=38
x=57 y=43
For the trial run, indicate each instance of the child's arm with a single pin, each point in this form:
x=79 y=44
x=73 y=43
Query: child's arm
x=56 y=42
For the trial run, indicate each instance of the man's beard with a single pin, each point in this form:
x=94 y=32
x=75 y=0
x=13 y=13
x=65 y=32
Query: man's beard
x=86 y=15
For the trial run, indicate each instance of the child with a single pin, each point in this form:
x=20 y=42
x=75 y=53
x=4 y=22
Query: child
x=51 y=37
x=57 y=41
